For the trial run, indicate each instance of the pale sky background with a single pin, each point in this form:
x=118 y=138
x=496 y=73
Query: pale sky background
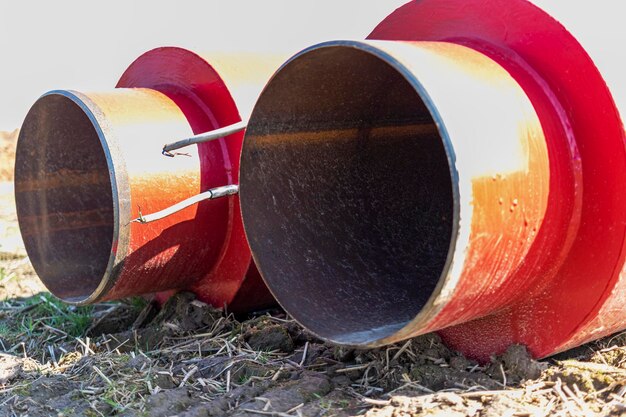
x=83 y=45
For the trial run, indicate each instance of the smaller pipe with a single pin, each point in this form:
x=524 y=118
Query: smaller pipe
x=203 y=137
x=211 y=194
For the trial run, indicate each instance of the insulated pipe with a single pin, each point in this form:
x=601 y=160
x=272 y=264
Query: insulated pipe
x=578 y=68
x=469 y=182
x=87 y=164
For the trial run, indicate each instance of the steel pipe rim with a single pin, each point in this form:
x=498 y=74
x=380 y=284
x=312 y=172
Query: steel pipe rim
x=120 y=193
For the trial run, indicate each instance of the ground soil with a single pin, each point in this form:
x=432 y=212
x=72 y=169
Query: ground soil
x=8 y=141
x=129 y=358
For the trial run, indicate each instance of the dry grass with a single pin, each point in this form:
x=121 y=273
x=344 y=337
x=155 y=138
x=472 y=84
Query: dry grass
x=122 y=359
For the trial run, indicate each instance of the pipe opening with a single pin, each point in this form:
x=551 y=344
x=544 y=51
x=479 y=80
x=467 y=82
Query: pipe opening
x=347 y=194
x=64 y=197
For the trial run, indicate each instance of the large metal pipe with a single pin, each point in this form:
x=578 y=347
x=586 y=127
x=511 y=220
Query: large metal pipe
x=87 y=164
x=467 y=182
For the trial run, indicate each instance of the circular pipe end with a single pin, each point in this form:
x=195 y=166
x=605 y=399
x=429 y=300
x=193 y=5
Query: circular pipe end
x=66 y=197
x=347 y=193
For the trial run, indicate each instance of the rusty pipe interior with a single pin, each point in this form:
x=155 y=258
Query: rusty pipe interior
x=347 y=194
x=64 y=196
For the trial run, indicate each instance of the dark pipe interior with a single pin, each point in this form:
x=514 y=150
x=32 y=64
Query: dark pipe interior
x=346 y=194
x=64 y=197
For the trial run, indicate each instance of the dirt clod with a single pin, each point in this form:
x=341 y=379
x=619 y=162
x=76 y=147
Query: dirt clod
x=269 y=338
x=518 y=365
x=182 y=312
x=170 y=402
x=49 y=387
x=138 y=363
x=308 y=387
x=10 y=367
x=436 y=377
x=587 y=376
x=460 y=363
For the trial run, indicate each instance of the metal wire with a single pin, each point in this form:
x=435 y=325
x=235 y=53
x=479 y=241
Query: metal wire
x=211 y=194
x=203 y=137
